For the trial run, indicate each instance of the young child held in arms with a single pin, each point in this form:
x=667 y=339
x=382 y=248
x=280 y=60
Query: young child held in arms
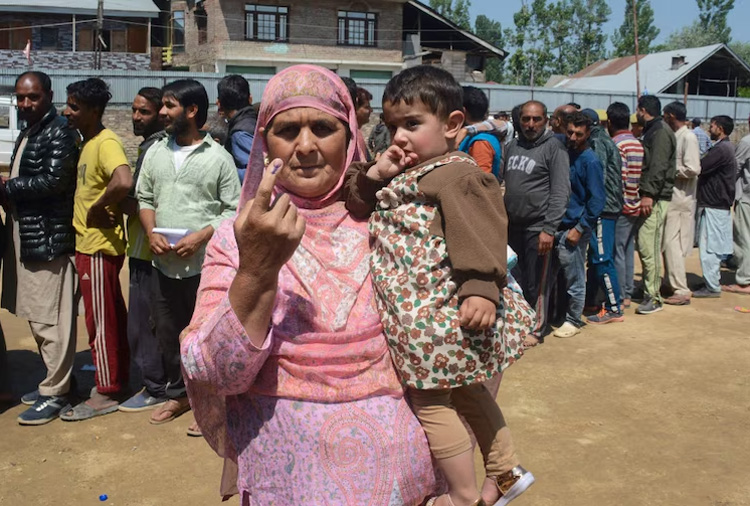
x=439 y=265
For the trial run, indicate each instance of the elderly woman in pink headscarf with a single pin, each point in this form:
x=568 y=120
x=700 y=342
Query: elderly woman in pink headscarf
x=286 y=365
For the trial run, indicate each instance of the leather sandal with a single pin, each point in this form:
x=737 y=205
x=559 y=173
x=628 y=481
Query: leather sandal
x=175 y=407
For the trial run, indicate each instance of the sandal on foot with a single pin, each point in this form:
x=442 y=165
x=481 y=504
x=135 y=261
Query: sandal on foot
x=531 y=342
x=194 y=430
x=735 y=288
x=84 y=412
x=173 y=408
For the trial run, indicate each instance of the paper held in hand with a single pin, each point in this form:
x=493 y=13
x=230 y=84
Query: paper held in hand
x=173 y=235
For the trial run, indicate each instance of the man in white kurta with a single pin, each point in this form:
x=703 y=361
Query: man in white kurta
x=679 y=227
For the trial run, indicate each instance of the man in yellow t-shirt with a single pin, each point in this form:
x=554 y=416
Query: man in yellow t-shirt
x=104 y=179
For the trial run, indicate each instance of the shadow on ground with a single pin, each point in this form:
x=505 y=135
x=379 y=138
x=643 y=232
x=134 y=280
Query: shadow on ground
x=27 y=371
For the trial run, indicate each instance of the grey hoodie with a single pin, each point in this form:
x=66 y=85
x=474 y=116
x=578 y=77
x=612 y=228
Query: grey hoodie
x=537 y=183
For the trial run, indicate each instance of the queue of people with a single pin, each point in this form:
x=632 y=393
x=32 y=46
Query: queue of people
x=334 y=302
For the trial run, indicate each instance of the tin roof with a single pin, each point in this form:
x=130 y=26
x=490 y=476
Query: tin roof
x=658 y=71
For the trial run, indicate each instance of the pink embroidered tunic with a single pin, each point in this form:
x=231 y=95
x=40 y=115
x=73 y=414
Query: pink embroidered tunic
x=316 y=415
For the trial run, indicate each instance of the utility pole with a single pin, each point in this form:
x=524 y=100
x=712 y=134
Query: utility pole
x=98 y=37
x=635 y=32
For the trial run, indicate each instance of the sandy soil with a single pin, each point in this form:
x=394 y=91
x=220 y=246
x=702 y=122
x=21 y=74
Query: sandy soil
x=654 y=411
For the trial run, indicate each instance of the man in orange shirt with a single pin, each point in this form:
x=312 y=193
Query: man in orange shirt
x=485 y=148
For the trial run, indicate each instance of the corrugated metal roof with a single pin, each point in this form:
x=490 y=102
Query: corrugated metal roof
x=656 y=72
x=116 y=8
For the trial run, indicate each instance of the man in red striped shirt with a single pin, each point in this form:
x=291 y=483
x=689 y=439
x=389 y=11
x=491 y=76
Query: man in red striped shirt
x=631 y=152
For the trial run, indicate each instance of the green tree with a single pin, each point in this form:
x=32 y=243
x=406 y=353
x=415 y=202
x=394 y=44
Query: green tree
x=589 y=17
x=491 y=31
x=533 y=43
x=455 y=10
x=741 y=49
x=560 y=31
x=713 y=16
x=623 y=39
x=693 y=35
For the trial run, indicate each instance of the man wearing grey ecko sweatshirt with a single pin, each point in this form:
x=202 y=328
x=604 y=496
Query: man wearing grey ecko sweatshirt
x=537 y=187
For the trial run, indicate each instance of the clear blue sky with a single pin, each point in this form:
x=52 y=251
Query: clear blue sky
x=669 y=15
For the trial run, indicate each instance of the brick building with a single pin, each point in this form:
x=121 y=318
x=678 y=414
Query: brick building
x=62 y=33
x=371 y=40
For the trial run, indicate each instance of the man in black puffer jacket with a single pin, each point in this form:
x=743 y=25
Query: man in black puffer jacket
x=39 y=278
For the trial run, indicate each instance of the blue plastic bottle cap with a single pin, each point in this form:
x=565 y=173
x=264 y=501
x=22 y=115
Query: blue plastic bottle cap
x=103 y=497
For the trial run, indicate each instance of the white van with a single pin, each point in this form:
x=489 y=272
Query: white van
x=8 y=125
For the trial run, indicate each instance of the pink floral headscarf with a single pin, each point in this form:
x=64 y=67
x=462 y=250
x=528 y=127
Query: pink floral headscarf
x=302 y=86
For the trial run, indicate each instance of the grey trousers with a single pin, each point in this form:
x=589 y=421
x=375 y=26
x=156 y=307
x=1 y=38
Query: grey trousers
x=57 y=343
x=741 y=228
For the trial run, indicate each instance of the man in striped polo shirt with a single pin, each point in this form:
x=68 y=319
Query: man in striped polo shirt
x=631 y=152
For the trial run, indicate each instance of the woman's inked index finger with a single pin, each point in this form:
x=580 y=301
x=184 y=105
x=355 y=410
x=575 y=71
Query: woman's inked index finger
x=262 y=201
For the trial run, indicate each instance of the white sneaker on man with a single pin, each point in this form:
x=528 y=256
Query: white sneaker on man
x=567 y=329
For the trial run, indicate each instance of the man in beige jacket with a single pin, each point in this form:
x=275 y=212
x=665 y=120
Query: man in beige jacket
x=680 y=224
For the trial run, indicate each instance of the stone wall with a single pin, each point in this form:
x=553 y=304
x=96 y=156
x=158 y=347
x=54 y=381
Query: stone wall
x=68 y=60
x=119 y=120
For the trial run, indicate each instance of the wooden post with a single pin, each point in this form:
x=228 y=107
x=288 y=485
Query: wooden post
x=98 y=39
x=635 y=34
x=684 y=97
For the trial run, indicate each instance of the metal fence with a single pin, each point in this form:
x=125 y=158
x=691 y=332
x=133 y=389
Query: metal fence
x=125 y=84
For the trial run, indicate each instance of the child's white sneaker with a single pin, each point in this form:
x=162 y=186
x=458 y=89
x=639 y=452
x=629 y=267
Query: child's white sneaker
x=512 y=484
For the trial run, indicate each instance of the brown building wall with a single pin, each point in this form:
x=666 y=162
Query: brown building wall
x=310 y=23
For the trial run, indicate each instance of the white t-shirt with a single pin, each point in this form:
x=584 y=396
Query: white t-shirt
x=181 y=153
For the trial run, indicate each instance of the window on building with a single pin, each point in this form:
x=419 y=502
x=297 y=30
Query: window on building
x=357 y=28
x=14 y=35
x=201 y=23
x=178 y=31
x=370 y=74
x=266 y=22
x=50 y=38
x=4 y=116
x=250 y=69
x=85 y=40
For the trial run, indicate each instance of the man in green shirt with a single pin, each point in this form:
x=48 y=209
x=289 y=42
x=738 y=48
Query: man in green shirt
x=657 y=183
x=187 y=182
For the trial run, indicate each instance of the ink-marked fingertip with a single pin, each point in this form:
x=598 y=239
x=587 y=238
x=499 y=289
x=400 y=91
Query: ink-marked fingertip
x=276 y=166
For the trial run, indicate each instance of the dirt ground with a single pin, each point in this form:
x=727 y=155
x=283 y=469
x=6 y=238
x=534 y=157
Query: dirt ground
x=652 y=411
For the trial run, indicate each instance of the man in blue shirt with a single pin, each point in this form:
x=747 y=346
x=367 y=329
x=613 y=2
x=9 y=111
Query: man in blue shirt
x=704 y=142
x=586 y=203
x=235 y=106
